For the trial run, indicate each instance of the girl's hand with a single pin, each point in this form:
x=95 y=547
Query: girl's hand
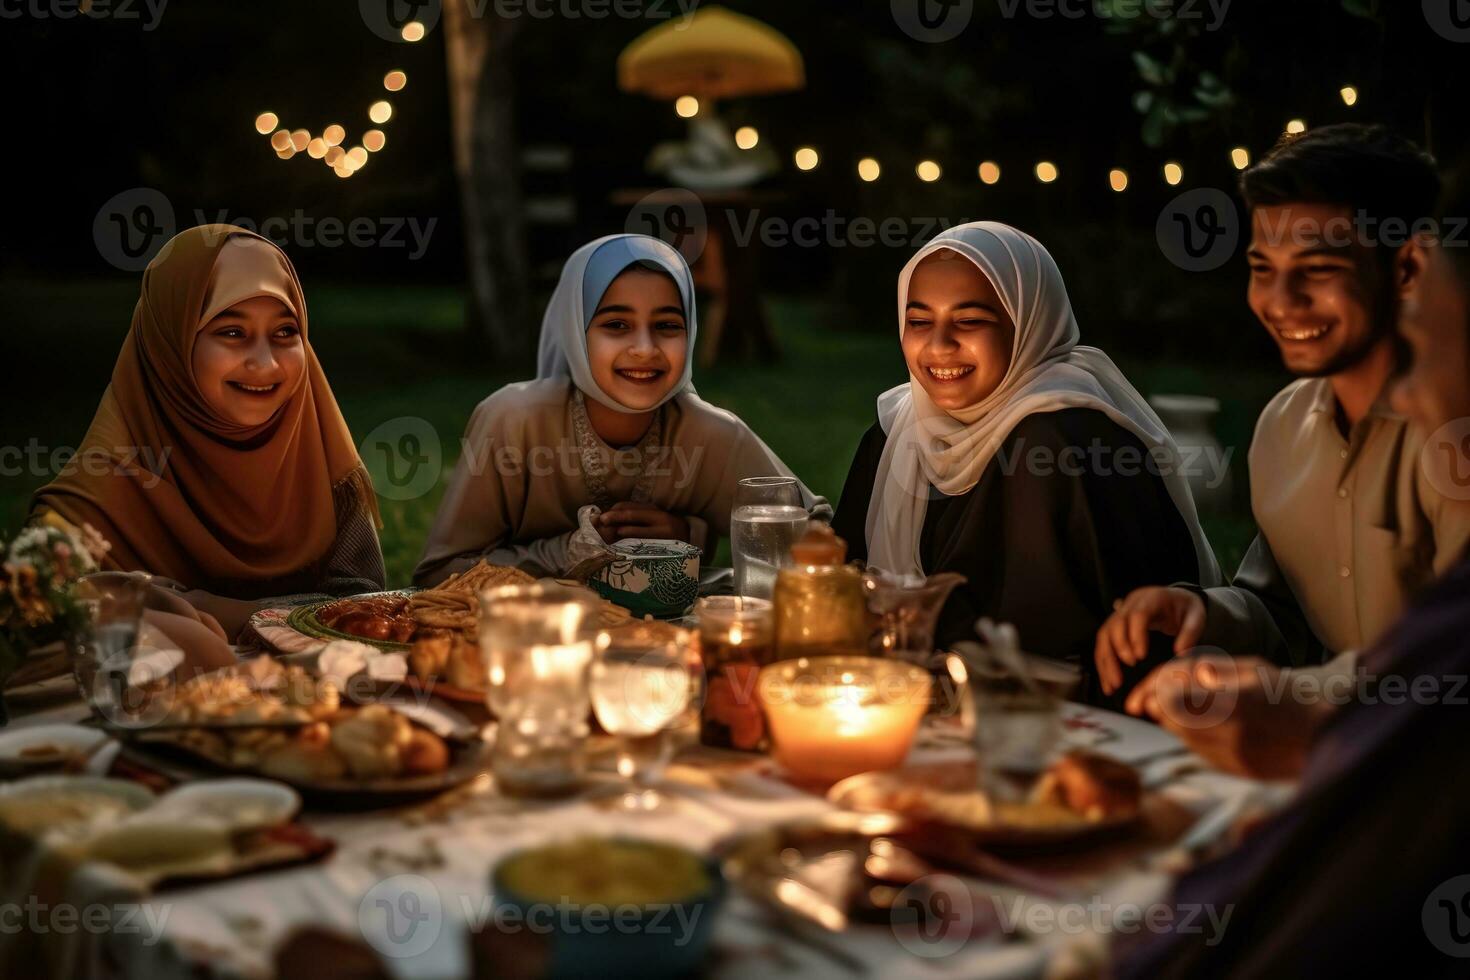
x=630 y=520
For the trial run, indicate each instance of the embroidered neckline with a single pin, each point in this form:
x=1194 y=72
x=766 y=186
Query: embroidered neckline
x=597 y=455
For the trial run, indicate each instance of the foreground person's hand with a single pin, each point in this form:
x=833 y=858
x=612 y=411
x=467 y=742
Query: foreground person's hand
x=626 y=519
x=1123 y=637
x=1236 y=712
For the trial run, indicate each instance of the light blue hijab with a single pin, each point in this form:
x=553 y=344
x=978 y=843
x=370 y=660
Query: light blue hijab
x=562 y=352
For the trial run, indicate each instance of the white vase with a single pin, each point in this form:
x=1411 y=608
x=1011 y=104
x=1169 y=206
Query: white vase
x=1190 y=419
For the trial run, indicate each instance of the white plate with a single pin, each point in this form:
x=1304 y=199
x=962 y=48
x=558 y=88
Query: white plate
x=68 y=741
x=95 y=801
x=239 y=804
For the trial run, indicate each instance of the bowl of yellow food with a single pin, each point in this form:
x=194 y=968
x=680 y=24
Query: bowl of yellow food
x=611 y=907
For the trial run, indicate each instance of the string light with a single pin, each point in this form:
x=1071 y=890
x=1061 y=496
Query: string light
x=1296 y=126
x=265 y=122
x=1118 y=180
x=281 y=140
x=746 y=137
x=806 y=158
x=394 y=81
x=1349 y=95
x=380 y=111
x=1173 y=174
x=989 y=172
x=868 y=169
x=334 y=134
x=317 y=148
x=334 y=155
x=357 y=156
x=1240 y=157
x=299 y=139
x=1046 y=171
x=687 y=106
x=928 y=171
x=374 y=140
x=412 y=31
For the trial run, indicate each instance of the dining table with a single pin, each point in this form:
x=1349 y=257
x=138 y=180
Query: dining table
x=413 y=882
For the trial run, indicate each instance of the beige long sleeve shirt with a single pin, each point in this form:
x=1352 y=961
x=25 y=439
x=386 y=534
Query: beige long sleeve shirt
x=1350 y=530
x=523 y=478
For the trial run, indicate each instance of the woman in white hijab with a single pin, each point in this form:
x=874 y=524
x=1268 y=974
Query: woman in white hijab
x=1015 y=456
x=610 y=440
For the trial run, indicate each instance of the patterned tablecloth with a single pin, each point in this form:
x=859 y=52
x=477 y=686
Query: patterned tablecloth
x=437 y=859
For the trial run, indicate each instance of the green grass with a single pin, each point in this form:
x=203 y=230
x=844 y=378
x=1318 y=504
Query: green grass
x=397 y=351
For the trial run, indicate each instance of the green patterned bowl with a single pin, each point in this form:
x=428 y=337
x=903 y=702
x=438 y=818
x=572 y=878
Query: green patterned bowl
x=651 y=577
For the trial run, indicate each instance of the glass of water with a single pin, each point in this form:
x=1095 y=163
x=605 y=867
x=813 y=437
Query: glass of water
x=767 y=519
x=640 y=681
x=102 y=650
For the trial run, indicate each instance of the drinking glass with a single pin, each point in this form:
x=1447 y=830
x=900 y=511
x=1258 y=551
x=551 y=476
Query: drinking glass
x=536 y=642
x=767 y=519
x=102 y=652
x=1017 y=702
x=640 y=686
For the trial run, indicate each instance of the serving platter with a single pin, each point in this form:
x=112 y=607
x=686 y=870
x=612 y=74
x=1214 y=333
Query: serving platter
x=938 y=795
x=467 y=760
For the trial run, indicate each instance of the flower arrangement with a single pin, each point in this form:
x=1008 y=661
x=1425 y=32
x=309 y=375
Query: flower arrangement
x=38 y=578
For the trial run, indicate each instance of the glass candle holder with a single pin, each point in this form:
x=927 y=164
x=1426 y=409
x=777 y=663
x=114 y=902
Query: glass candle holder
x=836 y=716
x=536 y=642
x=736 y=639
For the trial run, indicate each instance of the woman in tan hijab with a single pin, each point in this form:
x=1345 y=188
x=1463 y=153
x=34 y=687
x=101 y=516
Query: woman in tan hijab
x=218 y=459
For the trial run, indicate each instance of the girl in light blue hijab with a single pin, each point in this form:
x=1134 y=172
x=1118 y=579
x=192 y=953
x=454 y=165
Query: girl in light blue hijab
x=610 y=440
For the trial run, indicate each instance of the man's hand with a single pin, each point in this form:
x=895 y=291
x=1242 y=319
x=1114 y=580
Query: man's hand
x=1123 y=638
x=629 y=520
x=1236 y=712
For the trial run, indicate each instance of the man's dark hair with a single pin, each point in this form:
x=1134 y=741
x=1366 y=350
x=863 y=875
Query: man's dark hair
x=1453 y=214
x=1367 y=169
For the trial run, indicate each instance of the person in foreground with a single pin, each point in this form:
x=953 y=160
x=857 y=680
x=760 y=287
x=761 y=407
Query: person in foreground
x=1355 y=877
x=1015 y=456
x=610 y=440
x=1350 y=528
x=218 y=459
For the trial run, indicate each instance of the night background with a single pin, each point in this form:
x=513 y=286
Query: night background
x=104 y=108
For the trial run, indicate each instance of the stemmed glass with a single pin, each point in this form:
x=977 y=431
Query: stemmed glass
x=640 y=681
x=766 y=520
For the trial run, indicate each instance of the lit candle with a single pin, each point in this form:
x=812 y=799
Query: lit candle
x=834 y=717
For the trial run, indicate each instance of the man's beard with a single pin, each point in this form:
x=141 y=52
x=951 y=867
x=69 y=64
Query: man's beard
x=1353 y=356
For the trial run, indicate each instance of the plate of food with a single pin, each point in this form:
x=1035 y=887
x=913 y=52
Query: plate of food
x=262 y=719
x=436 y=628
x=1081 y=798
x=46 y=747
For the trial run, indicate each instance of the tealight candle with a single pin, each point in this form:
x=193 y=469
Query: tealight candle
x=834 y=717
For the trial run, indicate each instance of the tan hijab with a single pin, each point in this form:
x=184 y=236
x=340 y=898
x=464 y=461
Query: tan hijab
x=179 y=490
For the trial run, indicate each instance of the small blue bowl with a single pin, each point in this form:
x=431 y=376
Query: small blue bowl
x=663 y=940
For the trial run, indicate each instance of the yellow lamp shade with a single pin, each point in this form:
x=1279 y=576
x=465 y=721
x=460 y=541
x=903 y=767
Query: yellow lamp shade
x=714 y=54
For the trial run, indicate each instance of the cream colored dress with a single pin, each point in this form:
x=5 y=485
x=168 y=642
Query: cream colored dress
x=532 y=469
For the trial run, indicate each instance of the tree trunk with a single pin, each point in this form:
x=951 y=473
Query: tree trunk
x=482 y=105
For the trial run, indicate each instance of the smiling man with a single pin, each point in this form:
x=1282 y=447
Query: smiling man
x=1350 y=527
x=1364 y=873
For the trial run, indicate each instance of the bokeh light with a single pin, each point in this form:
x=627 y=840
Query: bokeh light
x=928 y=171
x=807 y=158
x=1118 y=180
x=395 y=80
x=380 y=111
x=265 y=122
x=990 y=172
x=746 y=137
x=1046 y=171
x=868 y=169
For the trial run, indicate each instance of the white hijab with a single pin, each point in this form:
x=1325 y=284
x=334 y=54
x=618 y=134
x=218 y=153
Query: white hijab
x=562 y=351
x=1048 y=372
